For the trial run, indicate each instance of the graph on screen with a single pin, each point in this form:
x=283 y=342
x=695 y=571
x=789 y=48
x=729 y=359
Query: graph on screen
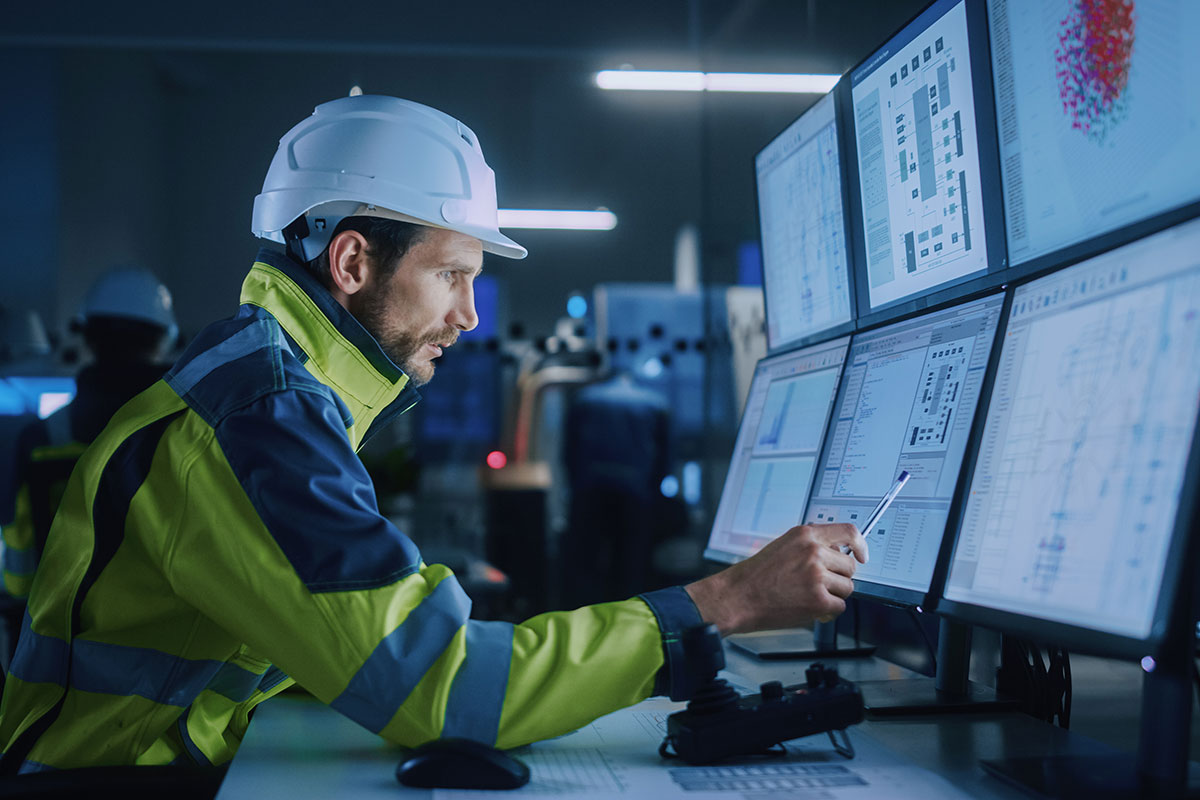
x=776 y=450
x=1098 y=109
x=918 y=159
x=1077 y=482
x=907 y=403
x=803 y=235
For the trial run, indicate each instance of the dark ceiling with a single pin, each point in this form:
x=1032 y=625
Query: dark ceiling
x=158 y=121
x=797 y=35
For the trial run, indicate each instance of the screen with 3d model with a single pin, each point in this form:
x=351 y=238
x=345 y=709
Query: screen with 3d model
x=1098 y=115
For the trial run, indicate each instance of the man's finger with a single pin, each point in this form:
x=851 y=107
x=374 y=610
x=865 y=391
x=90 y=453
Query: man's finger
x=839 y=562
x=845 y=537
x=839 y=586
x=838 y=604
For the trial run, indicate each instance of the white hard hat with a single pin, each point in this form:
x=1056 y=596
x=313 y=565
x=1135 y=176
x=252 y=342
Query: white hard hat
x=131 y=293
x=371 y=155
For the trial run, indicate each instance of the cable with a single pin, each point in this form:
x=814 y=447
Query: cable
x=1065 y=718
x=854 y=627
x=928 y=642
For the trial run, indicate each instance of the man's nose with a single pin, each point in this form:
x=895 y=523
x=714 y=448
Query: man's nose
x=462 y=314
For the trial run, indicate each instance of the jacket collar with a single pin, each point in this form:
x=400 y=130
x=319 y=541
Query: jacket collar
x=340 y=352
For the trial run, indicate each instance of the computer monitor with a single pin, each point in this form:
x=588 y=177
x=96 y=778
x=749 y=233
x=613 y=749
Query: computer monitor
x=35 y=394
x=1082 y=492
x=1099 y=119
x=907 y=402
x=924 y=200
x=776 y=449
x=801 y=201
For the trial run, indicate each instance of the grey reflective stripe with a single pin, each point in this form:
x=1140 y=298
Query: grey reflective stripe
x=255 y=336
x=38 y=659
x=234 y=683
x=20 y=562
x=271 y=678
x=193 y=749
x=477 y=695
x=394 y=669
x=120 y=670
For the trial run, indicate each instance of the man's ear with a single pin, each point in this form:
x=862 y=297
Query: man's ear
x=349 y=265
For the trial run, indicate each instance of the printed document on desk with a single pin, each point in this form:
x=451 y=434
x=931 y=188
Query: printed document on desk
x=617 y=756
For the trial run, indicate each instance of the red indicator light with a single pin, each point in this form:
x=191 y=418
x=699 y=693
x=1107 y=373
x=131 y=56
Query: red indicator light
x=496 y=459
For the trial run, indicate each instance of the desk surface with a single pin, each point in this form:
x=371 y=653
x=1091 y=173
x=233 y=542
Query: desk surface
x=297 y=748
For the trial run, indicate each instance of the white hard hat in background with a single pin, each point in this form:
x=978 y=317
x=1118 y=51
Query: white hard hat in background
x=370 y=155
x=131 y=293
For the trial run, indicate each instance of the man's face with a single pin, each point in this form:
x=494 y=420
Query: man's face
x=421 y=308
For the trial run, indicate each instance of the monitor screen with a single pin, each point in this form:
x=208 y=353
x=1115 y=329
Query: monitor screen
x=776 y=449
x=1098 y=109
x=918 y=159
x=907 y=403
x=1076 y=485
x=800 y=210
x=35 y=394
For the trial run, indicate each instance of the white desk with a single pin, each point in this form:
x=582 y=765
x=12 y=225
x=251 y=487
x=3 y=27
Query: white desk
x=297 y=748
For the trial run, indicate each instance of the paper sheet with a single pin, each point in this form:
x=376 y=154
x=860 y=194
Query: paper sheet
x=617 y=756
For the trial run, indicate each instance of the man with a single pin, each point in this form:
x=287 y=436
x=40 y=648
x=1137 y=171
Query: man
x=127 y=325
x=221 y=539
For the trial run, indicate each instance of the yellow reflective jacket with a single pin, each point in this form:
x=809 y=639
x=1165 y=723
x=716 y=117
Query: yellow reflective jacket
x=221 y=535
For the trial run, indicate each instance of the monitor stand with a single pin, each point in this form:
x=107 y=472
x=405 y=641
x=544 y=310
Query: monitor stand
x=949 y=692
x=823 y=641
x=1161 y=767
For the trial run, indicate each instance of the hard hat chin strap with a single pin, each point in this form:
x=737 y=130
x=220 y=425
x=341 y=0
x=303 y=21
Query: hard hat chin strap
x=294 y=235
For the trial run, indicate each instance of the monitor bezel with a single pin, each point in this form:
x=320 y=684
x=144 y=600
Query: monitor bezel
x=838 y=92
x=726 y=558
x=905 y=597
x=1055 y=633
x=995 y=235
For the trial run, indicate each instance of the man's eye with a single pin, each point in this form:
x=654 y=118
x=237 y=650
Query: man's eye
x=446 y=275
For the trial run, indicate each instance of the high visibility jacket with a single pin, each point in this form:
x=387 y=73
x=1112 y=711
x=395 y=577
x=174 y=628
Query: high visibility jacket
x=47 y=453
x=221 y=535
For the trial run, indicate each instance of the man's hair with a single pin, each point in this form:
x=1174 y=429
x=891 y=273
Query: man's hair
x=388 y=240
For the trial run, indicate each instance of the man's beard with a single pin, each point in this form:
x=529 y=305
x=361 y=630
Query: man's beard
x=400 y=345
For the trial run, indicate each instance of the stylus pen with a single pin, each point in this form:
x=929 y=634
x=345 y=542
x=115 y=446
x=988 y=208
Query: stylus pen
x=877 y=514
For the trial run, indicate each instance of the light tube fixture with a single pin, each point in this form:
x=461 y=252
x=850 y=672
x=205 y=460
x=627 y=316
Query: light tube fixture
x=661 y=81
x=557 y=219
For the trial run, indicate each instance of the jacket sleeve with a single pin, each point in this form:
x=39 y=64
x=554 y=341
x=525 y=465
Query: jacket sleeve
x=281 y=543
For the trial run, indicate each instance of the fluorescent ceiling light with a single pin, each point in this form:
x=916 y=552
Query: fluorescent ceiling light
x=563 y=220
x=651 y=81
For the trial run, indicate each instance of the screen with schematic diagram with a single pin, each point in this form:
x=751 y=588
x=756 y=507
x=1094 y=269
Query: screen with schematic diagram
x=1078 y=482
x=907 y=402
x=776 y=449
x=918 y=159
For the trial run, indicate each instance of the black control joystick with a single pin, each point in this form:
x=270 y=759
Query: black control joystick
x=718 y=723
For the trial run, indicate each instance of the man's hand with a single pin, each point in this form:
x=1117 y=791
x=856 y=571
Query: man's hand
x=802 y=576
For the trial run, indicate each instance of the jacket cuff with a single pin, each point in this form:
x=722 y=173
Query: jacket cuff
x=673 y=608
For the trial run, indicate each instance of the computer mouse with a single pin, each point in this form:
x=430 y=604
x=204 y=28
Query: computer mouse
x=461 y=764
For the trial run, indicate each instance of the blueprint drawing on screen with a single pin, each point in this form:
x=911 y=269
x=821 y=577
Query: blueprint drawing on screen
x=1098 y=110
x=803 y=234
x=1078 y=478
x=919 y=164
